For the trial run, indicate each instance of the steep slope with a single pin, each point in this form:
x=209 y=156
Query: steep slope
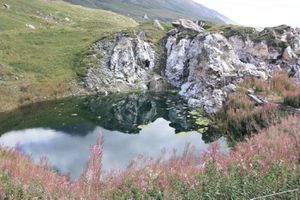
x=156 y=9
x=41 y=44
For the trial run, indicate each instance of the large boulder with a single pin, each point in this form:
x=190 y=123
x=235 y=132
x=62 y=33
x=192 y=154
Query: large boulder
x=288 y=54
x=187 y=25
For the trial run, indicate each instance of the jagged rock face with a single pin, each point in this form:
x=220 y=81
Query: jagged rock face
x=207 y=66
x=203 y=67
x=280 y=52
x=126 y=63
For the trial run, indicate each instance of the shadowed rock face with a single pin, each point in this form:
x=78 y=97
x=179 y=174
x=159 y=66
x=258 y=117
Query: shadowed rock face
x=206 y=66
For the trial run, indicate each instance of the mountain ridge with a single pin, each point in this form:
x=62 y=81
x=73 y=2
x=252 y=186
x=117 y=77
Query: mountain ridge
x=165 y=10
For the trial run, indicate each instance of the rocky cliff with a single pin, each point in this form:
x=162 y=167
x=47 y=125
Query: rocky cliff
x=123 y=63
x=204 y=63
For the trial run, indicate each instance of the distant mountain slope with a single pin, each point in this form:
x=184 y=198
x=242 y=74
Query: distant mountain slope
x=159 y=9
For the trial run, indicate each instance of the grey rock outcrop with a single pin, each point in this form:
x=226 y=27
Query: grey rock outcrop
x=126 y=63
x=271 y=49
x=207 y=66
x=204 y=67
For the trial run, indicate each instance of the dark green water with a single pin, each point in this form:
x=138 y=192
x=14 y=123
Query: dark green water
x=132 y=124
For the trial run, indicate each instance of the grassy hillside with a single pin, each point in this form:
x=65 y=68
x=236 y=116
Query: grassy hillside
x=44 y=62
x=166 y=10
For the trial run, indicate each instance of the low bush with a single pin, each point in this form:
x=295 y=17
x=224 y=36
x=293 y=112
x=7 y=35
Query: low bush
x=282 y=84
x=240 y=117
x=292 y=100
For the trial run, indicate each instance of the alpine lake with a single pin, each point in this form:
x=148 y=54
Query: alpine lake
x=132 y=124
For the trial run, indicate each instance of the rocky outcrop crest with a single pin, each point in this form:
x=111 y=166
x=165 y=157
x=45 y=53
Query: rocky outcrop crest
x=205 y=65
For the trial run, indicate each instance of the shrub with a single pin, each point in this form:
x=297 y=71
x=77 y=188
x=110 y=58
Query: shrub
x=240 y=117
x=282 y=84
x=259 y=85
x=292 y=100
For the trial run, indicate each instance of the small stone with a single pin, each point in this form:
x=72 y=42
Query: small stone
x=172 y=32
x=250 y=91
x=158 y=25
x=288 y=54
x=146 y=16
x=6 y=6
x=142 y=34
x=297 y=76
x=68 y=19
x=230 y=88
x=256 y=99
x=30 y=26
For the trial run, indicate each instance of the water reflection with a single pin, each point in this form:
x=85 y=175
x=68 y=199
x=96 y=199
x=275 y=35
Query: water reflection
x=138 y=123
x=69 y=153
x=124 y=113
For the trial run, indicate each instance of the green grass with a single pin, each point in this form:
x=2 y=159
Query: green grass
x=229 y=30
x=47 y=60
x=268 y=35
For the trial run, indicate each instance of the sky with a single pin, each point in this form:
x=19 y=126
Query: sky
x=258 y=13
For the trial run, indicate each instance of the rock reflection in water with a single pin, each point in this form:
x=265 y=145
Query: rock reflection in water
x=121 y=112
